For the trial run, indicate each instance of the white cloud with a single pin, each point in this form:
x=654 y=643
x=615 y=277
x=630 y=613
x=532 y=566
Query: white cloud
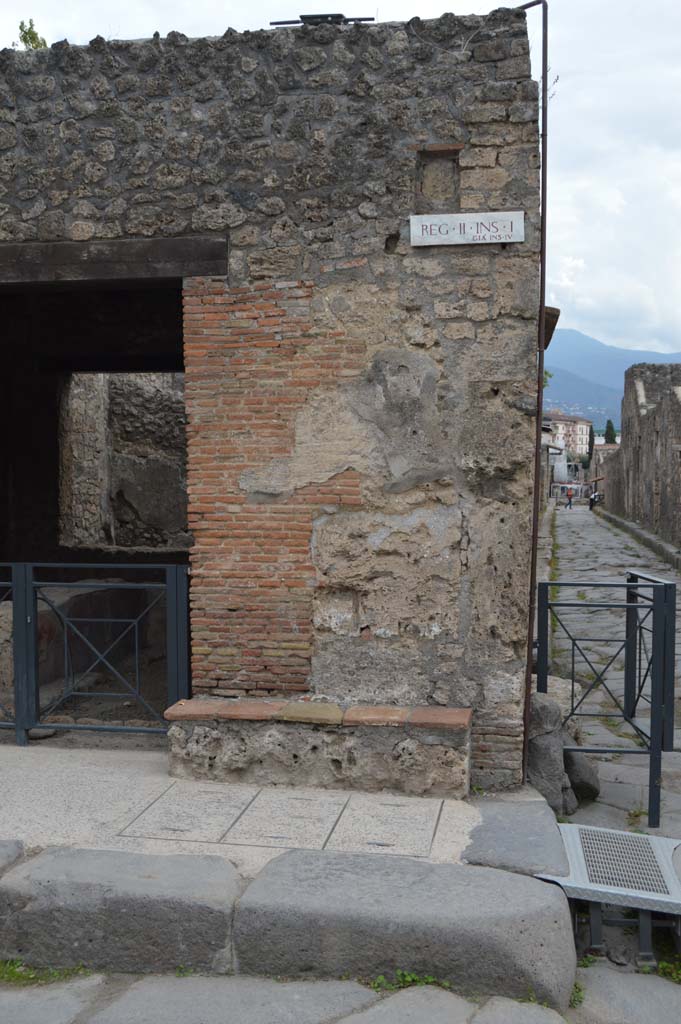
x=614 y=138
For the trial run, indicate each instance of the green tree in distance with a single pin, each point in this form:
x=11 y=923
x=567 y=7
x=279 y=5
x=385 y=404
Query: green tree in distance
x=592 y=441
x=29 y=37
x=610 y=435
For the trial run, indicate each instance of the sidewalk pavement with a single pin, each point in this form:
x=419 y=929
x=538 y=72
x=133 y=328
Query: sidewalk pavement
x=125 y=800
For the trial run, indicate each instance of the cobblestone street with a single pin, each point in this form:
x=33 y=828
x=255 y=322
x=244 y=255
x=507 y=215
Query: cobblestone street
x=589 y=549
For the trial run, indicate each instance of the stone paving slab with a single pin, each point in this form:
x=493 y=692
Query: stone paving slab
x=422 y=1005
x=615 y=996
x=485 y=931
x=202 y=812
x=382 y=823
x=517 y=836
x=49 y=1004
x=234 y=1001
x=505 y=1011
x=283 y=817
x=118 y=911
x=611 y=996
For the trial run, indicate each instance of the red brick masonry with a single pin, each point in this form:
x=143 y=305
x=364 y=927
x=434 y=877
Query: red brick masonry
x=318 y=713
x=252 y=358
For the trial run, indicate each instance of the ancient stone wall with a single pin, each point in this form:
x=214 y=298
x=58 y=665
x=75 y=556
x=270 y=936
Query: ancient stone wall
x=123 y=462
x=643 y=478
x=360 y=412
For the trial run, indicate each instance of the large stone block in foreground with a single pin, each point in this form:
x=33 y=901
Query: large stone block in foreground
x=422 y=751
x=119 y=911
x=485 y=931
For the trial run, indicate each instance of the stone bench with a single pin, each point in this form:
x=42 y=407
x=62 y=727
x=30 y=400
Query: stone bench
x=422 y=751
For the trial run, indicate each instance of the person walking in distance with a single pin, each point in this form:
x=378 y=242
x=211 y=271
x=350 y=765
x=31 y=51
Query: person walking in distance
x=570 y=493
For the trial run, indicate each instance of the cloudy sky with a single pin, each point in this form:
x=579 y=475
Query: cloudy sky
x=614 y=135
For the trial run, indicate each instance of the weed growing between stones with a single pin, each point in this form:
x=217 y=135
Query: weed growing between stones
x=634 y=816
x=15 y=972
x=668 y=960
x=183 y=972
x=577 y=997
x=532 y=998
x=405 y=979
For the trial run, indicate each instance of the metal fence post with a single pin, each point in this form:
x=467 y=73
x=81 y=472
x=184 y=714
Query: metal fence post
x=630 y=646
x=177 y=644
x=542 y=637
x=183 y=663
x=669 y=665
x=24 y=649
x=657 y=684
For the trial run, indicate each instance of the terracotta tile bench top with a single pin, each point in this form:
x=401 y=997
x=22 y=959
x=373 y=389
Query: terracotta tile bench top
x=200 y=709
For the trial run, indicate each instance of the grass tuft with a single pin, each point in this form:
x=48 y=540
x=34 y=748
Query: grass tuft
x=16 y=972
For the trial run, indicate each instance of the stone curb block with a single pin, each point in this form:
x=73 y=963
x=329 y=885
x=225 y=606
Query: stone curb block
x=486 y=931
x=667 y=551
x=520 y=837
x=119 y=911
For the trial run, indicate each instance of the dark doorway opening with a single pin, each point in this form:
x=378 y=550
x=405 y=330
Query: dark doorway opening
x=93 y=498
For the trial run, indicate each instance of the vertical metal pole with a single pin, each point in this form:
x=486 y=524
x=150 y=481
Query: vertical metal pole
x=171 y=634
x=20 y=650
x=25 y=651
x=183 y=681
x=630 y=646
x=656 y=707
x=646 y=955
x=596 y=927
x=669 y=665
x=542 y=637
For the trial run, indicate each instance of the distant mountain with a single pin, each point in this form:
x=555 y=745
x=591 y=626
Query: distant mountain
x=588 y=376
x=579 y=397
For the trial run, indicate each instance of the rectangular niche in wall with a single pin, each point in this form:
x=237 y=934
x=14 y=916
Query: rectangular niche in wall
x=438 y=179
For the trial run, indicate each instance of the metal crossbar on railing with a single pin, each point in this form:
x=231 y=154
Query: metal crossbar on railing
x=106 y=630
x=649 y=621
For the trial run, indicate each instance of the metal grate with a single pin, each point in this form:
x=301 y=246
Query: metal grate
x=622 y=860
x=620 y=868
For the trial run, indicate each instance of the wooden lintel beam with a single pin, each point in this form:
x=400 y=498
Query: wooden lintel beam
x=125 y=259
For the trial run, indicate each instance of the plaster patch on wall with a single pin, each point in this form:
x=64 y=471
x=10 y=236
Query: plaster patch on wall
x=386 y=423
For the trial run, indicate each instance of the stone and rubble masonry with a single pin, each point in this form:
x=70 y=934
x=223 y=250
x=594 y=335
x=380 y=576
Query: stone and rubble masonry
x=423 y=751
x=122 y=479
x=360 y=414
x=642 y=482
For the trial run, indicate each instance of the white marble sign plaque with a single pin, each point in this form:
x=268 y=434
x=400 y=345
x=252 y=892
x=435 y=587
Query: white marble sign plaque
x=467 y=228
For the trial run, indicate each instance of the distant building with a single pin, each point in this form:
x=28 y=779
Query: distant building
x=601 y=452
x=570 y=432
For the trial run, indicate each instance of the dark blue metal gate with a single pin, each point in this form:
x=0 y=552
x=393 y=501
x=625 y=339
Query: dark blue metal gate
x=93 y=635
x=647 y=643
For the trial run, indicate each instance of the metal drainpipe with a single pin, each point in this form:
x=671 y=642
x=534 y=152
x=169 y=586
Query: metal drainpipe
x=540 y=372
